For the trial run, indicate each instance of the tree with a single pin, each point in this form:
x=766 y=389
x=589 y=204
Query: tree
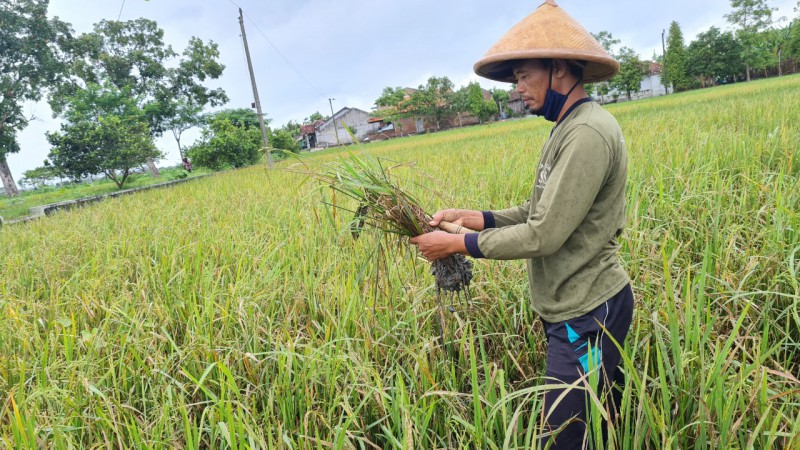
x=132 y=55
x=390 y=97
x=715 y=57
x=39 y=176
x=793 y=46
x=393 y=104
x=239 y=117
x=292 y=128
x=608 y=42
x=31 y=62
x=677 y=70
x=501 y=98
x=460 y=103
x=631 y=71
x=283 y=139
x=777 y=39
x=104 y=132
x=751 y=17
x=114 y=147
x=185 y=116
x=231 y=138
x=478 y=106
x=182 y=98
x=433 y=100
x=314 y=117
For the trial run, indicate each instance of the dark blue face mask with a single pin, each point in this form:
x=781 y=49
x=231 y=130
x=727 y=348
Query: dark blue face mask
x=554 y=101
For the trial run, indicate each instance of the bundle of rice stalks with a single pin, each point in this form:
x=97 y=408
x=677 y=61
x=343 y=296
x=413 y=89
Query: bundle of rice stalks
x=383 y=205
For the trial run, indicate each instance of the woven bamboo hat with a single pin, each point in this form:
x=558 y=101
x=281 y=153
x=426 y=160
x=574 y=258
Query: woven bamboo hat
x=547 y=33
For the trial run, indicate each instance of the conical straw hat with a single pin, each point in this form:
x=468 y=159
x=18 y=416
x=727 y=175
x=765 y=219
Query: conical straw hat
x=547 y=33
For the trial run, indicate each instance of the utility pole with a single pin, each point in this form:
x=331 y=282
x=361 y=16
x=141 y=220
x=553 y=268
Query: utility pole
x=255 y=92
x=664 y=57
x=335 y=129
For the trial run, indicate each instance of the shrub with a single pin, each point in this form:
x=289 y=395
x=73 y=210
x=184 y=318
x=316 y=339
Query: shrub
x=223 y=144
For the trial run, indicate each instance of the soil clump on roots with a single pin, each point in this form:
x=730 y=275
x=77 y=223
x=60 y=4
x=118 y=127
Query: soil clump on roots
x=452 y=274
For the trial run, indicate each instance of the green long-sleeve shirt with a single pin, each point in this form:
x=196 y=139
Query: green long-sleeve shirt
x=568 y=229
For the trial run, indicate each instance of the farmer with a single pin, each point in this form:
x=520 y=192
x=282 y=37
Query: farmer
x=567 y=231
x=187 y=166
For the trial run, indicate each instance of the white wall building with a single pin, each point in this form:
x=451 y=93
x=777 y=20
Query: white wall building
x=333 y=131
x=651 y=86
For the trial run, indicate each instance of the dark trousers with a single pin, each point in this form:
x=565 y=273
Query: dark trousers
x=574 y=347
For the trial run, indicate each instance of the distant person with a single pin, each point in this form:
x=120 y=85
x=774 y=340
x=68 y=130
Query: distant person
x=187 y=166
x=567 y=231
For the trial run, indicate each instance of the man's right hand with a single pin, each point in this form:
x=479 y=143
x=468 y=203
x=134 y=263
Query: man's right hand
x=465 y=217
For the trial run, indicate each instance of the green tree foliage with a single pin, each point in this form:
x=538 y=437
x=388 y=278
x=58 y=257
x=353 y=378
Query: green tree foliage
x=460 y=103
x=32 y=61
x=390 y=97
x=500 y=98
x=104 y=132
x=182 y=98
x=232 y=138
x=631 y=71
x=677 y=67
x=751 y=18
x=793 y=46
x=715 y=57
x=185 y=116
x=393 y=104
x=777 y=40
x=284 y=139
x=39 y=176
x=433 y=100
x=292 y=128
x=239 y=117
x=478 y=106
x=132 y=55
x=609 y=43
x=314 y=117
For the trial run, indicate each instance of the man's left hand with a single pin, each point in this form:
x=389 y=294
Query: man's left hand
x=438 y=244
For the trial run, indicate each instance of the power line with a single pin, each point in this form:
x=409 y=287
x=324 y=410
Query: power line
x=120 y=10
x=277 y=50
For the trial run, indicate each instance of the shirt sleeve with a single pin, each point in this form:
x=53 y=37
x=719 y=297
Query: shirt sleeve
x=579 y=172
x=511 y=216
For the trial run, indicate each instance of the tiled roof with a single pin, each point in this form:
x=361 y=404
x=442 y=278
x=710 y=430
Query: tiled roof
x=655 y=68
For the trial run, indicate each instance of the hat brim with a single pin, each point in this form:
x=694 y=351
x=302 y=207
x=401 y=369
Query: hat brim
x=500 y=67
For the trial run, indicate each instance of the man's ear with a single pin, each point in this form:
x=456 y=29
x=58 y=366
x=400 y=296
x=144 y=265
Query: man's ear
x=559 y=68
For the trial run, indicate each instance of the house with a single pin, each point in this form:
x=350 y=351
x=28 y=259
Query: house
x=388 y=127
x=308 y=134
x=651 y=85
x=466 y=118
x=515 y=103
x=333 y=132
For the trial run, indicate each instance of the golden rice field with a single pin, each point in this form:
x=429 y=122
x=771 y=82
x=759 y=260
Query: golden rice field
x=237 y=312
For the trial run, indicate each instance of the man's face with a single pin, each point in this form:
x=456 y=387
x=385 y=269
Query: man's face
x=532 y=82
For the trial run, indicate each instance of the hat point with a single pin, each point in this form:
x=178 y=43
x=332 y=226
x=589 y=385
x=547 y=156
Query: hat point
x=547 y=33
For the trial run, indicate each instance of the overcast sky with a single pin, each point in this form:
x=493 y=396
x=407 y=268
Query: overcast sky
x=307 y=51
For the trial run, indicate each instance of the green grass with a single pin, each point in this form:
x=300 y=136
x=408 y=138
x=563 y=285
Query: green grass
x=237 y=312
x=16 y=207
